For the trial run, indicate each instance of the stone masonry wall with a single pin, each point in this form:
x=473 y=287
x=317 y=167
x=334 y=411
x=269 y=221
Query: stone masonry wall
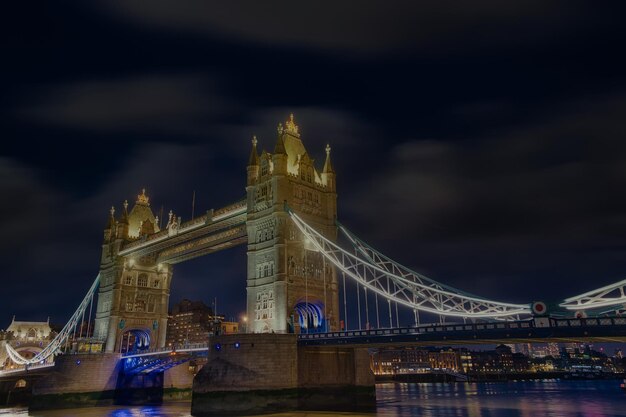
x=80 y=373
x=262 y=362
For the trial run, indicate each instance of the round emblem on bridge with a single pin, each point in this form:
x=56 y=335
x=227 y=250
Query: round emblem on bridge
x=539 y=308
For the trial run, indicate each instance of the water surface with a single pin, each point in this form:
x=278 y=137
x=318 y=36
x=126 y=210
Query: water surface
x=501 y=399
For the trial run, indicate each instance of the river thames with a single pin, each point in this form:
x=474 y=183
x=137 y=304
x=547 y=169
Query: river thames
x=503 y=399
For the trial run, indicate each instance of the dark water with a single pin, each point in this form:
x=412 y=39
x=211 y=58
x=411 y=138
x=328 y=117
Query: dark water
x=503 y=399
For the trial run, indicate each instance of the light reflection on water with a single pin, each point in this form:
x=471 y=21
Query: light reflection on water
x=503 y=399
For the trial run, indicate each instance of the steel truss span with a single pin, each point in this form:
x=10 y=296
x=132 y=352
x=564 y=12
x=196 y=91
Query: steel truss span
x=397 y=283
x=610 y=296
x=55 y=345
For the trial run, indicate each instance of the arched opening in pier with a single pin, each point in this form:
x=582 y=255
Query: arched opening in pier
x=135 y=340
x=310 y=314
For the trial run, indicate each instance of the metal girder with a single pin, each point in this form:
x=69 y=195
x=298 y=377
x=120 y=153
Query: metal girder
x=55 y=345
x=609 y=296
x=399 y=284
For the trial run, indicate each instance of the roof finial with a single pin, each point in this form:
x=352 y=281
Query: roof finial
x=290 y=125
x=143 y=198
x=328 y=166
x=254 y=158
x=280 y=128
x=125 y=204
x=112 y=211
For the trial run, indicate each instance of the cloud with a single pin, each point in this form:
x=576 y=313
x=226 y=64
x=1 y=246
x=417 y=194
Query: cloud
x=157 y=104
x=29 y=205
x=506 y=207
x=359 y=26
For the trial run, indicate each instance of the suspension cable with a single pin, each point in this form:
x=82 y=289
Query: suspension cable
x=345 y=304
x=432 y=296
x=358 y=303
x=377 y=314
x=367 y=311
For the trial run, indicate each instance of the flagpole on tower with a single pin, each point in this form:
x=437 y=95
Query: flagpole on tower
x=193 y=204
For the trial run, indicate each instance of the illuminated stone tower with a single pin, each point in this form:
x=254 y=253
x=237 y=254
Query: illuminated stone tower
x=290 y=286
x=134 y=292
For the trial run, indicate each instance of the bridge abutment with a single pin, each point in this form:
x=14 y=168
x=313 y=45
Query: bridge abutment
x=78 y=381
x=99 y=379
x=256 y=373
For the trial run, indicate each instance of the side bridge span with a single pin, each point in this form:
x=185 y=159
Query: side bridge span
x=542 y=330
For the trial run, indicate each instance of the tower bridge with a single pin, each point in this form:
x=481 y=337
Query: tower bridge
x=300 y=260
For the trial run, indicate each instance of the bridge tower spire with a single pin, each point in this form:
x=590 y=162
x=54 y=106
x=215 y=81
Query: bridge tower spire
x=328 y=174
x=253 y=163
x=289 y=287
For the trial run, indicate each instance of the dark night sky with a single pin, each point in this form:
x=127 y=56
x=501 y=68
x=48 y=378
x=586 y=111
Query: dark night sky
x=481 y=143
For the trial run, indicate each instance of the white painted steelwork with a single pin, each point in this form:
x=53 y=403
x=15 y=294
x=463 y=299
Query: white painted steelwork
x=609 y=296
x=55 y=345
x=399 y=284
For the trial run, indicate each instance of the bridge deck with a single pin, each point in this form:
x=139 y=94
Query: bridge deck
x=605 y=329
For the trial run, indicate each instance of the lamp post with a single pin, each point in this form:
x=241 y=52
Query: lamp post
x=244 y=320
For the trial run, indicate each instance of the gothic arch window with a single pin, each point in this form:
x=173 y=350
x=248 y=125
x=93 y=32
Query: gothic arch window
x=32 y=333
x=156 y=283
x=142 y=281
x=140 y=305
x=266 y=270
x=129 y=280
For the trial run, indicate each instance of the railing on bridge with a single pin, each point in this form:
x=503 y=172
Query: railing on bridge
x=193 y=347
x=161 y=359
x=26 y=368
x=462 y=329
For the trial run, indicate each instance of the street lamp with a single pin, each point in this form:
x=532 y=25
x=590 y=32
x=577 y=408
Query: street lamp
x=244 y=319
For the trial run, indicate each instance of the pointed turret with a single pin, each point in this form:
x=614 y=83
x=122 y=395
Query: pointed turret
x=328 y=174
x=253 y=164
x=141 y=213
x=254 y=156
x=111 y=220
x=279 y=149
x=124 y=218
x=328 y=166
x=122 y=225
x=109 y=230
x=279 y=158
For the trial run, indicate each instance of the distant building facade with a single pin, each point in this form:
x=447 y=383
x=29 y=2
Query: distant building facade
x=28 y=338
x=193 y=322
x=189 y=322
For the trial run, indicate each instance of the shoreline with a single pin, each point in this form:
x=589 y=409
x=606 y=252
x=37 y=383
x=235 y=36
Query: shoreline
x=496 y=377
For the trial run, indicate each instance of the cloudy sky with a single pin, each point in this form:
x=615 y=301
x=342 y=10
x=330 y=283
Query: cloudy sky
x=481 y=143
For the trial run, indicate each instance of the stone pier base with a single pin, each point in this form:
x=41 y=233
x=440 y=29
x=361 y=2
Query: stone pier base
x=93 y=380
x=259 y=373
x=78 y=381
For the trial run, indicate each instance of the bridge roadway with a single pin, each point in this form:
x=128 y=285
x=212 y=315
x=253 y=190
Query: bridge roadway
x=538 y=330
